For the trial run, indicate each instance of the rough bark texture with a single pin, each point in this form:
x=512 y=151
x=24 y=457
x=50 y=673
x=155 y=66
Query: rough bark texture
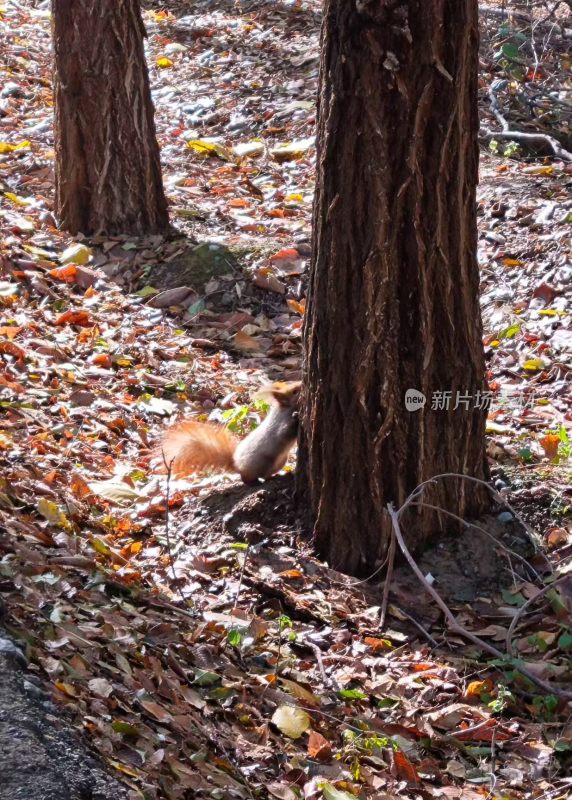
x=108 y=174
x=393 y=300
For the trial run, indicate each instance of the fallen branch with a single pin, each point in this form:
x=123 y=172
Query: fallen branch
x=453 y=625
x=518 y=136
x=485 y=134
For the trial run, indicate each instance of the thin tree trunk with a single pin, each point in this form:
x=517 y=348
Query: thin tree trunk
x=393 y=298
x=108 y=174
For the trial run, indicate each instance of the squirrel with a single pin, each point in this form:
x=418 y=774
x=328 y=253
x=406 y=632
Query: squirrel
x=190 y=446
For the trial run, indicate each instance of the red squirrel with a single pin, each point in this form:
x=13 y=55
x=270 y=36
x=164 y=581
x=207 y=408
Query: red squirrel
x=191 y=446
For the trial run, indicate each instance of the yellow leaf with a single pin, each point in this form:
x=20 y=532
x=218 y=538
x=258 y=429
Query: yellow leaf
x=548 y=312
x=100 y=546
x=66 y=688
x=124 y=768
x=538 y=170
x=76 y=254
x=512 y=262
x=534 y=364
x=19 y=201
x=209 y=149
x=291 y=721
x=53 y=513
x=6 y=147
x=163 y=62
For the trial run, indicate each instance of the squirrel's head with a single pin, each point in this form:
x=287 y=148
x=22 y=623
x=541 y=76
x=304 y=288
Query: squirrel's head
x=285 y=393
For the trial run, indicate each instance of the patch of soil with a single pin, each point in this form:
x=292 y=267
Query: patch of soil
x=41 y=757
x=479 y=560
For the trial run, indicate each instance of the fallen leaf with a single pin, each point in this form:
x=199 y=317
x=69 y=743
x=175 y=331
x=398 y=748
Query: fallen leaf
x=318 y=746
x=291 y=721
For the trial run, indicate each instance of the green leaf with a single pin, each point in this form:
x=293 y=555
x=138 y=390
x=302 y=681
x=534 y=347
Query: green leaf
x=513 y=599
x=147 y=291
x=196 y=307
x=205 y=678
x=565 y=640
x=235 y=637
x=352 y=694
x=510 y=50
x=510 y=332
x=119 y=726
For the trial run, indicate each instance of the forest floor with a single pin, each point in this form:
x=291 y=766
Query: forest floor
x=185 y=626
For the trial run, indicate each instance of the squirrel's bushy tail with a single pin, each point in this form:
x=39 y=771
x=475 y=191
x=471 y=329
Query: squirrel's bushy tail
x=191 y=446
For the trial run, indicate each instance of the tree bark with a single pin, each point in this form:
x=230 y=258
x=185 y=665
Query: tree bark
x=108 y=173
x=393 y=296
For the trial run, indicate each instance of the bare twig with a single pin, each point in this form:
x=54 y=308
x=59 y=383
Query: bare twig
x=241 y=577
x=169 y=468
x=510 y=553
x=388 y=577
x=418 y=491
x=433 y=642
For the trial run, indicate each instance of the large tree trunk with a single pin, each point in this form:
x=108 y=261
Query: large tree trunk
x=393 y=298
x=108 y=174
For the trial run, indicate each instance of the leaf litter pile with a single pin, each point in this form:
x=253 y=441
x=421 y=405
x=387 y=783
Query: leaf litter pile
x=184 y=625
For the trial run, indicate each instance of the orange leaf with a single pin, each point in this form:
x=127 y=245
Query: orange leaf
x=377 y=644
x=476 y=688
x=238 y=202
x=12 y=349
x=11 y=331
x=66 y=273
x=80 y=318
x=103 y=360
x=291 y=573
x=294 y=305
x=79 y=487
x=13 y=385
x=50 y=477
x=405 y=768
x=319 y=747
x=286 y=252
x=550 y=444
x=88 y=333
x=484 y=734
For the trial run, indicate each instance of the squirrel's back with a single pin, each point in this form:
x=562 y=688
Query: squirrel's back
x=190 y=446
